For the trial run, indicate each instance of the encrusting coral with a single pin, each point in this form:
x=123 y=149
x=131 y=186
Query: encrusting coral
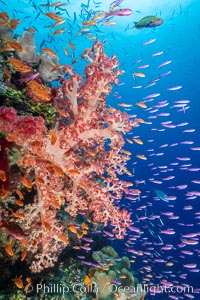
x=113 y=278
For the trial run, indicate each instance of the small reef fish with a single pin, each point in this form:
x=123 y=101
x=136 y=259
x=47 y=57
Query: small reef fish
x=18 y=282
x=87 y=280
x=58 y=23
x=118 y=12
x=141 y=104
x=55 y=4
x=124 y=105
x=14 y=45
x=138 y=141
x=53 y=16
x=141 y=156
x=72 y=228
x=148 y=22
x=13 y=230
x=138 y=74
x=149 y=42
x=2 y=175
x=59 y=31
x=19 y=66
x=28 y=78
x=110 y=23
x=49 y=51
x=72 y=46
x=23 y=255
x=26 y=182
x=39 y=91
x=89 y=23
x=18 y=215
x=9 y=250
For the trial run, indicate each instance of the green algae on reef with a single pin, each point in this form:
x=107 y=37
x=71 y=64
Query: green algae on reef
x=24 y=105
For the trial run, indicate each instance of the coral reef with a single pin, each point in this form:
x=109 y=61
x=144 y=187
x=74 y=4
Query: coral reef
x=69 y=145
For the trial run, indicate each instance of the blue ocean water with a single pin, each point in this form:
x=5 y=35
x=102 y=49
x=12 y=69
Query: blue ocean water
x=171 y=166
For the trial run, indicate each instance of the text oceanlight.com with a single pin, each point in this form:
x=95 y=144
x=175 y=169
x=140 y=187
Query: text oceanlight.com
x=57 y=288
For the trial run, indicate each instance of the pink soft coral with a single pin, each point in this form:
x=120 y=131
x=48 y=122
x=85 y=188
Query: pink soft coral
x=66 y=163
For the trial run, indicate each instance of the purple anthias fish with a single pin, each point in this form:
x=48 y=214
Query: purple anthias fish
x=13 y=230
x=29 y=78
x=117 y=12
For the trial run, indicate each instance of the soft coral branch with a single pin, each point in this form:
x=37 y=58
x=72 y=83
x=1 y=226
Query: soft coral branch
x=64 y=163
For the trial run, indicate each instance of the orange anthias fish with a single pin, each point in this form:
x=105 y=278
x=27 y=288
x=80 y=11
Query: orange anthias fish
x=19 y=194
x=138 y=141
x=26 y=182
x=129 y=141
x=87 y=280
x=59 y=31
x=2 y=175
x=66 y=51
x=82 y=185
x=124 y=105
x=31 y=30
x=18 y=282
x=136 y=192
x=110 y=23
x=3 y=193
x=55 y=203
x=62 y=112
x=23 y=255
x=18 y=215
x=126 y=152
x=14 y=45
x=138 y=74
x=89 y=23
x=53 y=136
x=42 y=92
x=140 y=120
x=73 y=172
x=19 y=202
x=9 y=250
x=72 y=46
x=57 y=67
x=49 y=51
x=141 y=104
x=55 y=4
x=127 y=184
x=141 y=156
x=72 y=228
x=63 y=238
x=53 y=16
x=58 y=170
x=58 y=23
x=19 y=66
